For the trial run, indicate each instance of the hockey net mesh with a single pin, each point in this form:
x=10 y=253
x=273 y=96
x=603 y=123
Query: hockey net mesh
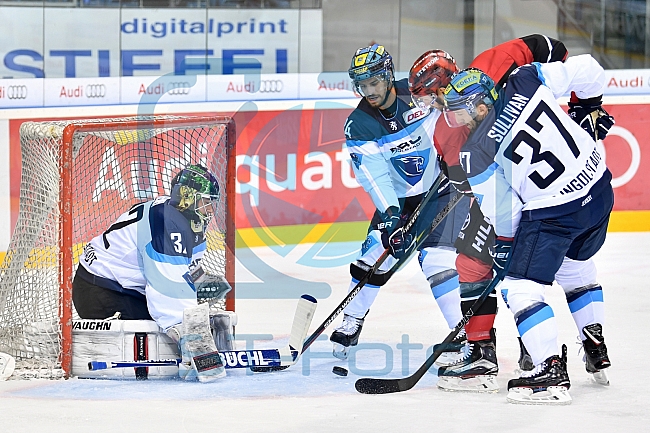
x=114 y=167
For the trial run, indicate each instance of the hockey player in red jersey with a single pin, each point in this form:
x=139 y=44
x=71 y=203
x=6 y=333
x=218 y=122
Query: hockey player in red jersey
x=429 y=75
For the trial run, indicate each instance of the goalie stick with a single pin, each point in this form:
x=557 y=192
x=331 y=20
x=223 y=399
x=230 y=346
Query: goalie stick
x=387 y=386
x=253 y=359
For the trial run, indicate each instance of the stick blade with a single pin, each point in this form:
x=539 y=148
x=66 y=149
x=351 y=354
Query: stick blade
x=377 y=386
x=301 y=322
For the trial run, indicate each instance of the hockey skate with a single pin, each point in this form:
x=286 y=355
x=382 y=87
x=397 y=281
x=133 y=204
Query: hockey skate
x=596 y=358
x=346 y=335
x=548 y=383
x=525 y=360
x=475 y=372
x=452 y=352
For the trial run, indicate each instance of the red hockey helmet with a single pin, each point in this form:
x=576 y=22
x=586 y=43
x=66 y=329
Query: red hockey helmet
x=430 y=72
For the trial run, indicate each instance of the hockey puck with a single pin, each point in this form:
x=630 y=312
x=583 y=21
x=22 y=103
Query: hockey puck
x=340 y=371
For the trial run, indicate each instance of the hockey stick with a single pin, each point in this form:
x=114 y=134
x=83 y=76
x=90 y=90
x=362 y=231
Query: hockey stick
x=262 y=358
x=357 y=288
x=416 y=244
x=387 y=386
x=230 y=359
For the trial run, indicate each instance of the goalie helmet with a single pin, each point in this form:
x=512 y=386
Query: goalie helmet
x=371 y=61
x=431 y=71
x=195 y=192
x=466 y=91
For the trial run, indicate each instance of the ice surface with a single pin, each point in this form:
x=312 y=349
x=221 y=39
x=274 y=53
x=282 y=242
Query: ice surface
x=308 y=397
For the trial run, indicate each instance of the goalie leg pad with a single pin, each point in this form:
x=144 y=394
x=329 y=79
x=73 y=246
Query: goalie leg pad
x=222 y=324
x=198 y=346
x=114 y=340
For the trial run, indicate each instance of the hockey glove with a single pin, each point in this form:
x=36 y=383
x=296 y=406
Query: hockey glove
x=590 y=115
x=392 y=233
x=500 y=253
x=458 y=179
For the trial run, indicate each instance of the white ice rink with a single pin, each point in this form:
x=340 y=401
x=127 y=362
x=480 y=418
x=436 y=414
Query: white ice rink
x=309 y=398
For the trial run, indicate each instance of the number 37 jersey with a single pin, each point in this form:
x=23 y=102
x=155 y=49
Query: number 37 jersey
x=149 y=250
x=528 y=159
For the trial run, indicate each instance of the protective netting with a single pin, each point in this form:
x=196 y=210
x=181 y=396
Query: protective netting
x=116 y=164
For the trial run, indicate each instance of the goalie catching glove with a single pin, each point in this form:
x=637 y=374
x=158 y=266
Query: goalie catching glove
x=591 y=116
x=209 y=286
x=393 y=236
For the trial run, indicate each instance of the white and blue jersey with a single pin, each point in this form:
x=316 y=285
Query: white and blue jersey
x=148 y=250
x=528 y=159
x=394 y=157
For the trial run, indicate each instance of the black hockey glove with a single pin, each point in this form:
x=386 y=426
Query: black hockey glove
x=458 y=179
x=393 y=236
x=500 y=253
x=590 y=115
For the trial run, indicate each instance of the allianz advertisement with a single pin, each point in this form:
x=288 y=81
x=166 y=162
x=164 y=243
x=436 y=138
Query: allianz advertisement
x=87 y=43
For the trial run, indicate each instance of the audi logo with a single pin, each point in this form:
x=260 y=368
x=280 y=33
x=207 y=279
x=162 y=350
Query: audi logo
x=271 y=86
x=17 y=92
x=95 y=91
x=178 y=88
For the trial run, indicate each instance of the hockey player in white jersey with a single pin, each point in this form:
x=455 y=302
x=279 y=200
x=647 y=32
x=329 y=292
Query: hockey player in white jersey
x=140 y=268
x=393 y=157
x=545 y=188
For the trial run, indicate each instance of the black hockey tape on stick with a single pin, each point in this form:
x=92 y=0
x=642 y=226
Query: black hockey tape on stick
x=416 y=244
x=388 y=386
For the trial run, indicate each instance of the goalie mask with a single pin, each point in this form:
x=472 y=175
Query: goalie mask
x=195 y=192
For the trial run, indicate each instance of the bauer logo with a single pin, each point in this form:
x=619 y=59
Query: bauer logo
x=87 y=325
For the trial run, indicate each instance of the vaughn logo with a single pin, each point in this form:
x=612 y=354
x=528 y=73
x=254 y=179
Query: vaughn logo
x=91 y=326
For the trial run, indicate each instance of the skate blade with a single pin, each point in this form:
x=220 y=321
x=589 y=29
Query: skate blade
x=554 y=395
x=340 y=351
x=485 y=383
x=600 y=377
x=447 y=358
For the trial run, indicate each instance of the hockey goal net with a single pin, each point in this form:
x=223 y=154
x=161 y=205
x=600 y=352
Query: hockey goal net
x=77 y=178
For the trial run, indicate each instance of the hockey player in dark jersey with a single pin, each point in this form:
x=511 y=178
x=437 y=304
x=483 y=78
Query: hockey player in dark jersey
x=543 y=185
x=428 y=77
x=140 y=267
x=393 y=157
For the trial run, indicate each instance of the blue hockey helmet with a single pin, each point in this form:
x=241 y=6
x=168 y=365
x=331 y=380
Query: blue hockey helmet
x=466 y=90
x=369 y=62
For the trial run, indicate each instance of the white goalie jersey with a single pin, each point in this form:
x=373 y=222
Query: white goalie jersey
x=149 y=250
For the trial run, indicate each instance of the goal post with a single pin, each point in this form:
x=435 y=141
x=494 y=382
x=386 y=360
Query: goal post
x=77 y=177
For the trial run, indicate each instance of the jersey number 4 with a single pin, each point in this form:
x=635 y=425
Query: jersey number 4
x=539 y=156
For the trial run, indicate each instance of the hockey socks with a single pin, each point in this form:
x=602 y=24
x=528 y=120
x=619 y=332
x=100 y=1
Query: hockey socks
x=481 y=323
